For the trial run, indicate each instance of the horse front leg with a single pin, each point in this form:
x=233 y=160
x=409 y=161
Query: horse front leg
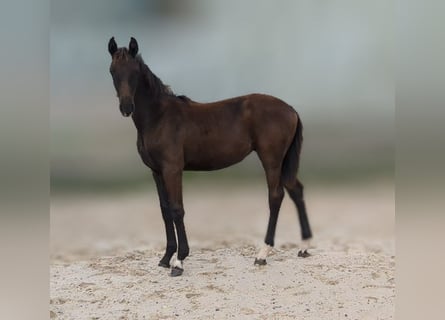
x=168 y=221
x=173 y=186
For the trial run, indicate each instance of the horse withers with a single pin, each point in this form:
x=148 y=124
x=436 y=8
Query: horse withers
x=175 y=133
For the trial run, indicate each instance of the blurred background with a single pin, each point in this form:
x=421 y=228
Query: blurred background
x=331 y=60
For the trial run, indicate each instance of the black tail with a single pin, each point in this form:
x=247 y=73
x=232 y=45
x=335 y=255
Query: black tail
x=290 y=181
x=291 y=160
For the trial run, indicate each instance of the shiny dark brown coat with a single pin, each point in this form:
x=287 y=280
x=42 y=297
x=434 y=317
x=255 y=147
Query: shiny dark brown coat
x=175 y=134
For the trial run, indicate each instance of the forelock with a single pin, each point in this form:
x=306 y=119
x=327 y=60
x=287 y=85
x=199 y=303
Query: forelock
x=121 y=54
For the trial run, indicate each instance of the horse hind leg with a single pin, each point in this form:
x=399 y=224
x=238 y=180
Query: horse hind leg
x=295 y=190
x=276 y=194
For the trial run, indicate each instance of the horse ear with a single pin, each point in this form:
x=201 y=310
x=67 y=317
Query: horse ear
x=133 y=47
x=112 y=46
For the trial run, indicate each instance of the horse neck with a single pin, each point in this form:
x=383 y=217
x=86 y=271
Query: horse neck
x=147 y=107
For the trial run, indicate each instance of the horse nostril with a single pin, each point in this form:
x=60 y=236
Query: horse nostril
x=126 y=109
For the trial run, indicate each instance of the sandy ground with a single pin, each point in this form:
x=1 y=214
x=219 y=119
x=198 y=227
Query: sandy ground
x=105 y=250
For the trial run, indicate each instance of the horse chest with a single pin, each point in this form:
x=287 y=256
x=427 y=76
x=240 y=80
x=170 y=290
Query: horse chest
x=147 y=153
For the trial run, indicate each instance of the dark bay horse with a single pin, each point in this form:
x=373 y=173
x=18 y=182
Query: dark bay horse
x=175 y=133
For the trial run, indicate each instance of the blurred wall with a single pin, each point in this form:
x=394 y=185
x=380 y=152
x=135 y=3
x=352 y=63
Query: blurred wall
x=331 y=60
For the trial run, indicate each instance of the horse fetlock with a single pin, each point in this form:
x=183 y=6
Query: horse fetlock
x=166 y=259
x=171 y=249
x=305 y=244
x=183 y=253
x=264 y=252
x=270 y=243
x=164 y=263
x=306 y=234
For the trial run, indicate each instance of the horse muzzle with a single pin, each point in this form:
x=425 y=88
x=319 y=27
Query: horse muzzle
x=127 y=108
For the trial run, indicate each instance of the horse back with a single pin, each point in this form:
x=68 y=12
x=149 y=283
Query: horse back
x=222 y=133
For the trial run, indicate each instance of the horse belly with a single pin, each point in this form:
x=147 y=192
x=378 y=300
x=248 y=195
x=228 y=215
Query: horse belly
x=214 y=155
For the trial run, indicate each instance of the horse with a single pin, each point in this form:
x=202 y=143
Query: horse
x=175 y=133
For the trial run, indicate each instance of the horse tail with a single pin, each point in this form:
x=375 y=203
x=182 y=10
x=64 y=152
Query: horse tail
x=291 y=160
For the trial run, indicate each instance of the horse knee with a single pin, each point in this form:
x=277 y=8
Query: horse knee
x=295 y=189
x=276 y=195
x=176 y=213
x=280 y=193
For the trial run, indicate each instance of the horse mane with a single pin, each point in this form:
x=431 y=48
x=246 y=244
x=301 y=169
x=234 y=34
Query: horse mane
x=156 y=87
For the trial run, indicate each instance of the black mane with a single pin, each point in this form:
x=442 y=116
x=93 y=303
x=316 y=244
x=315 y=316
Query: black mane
x=155 y=85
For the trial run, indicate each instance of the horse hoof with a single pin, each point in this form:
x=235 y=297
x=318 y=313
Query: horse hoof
x=260 y=262
x=303 y=254
x=176 y=272
x=163 y=264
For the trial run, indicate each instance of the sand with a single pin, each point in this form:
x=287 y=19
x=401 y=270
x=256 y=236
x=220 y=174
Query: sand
x=105 y=250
